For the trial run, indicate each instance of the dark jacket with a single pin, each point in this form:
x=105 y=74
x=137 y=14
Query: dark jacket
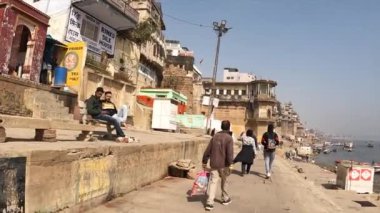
x=269 y=137
x=94 y=106
x=220 y=151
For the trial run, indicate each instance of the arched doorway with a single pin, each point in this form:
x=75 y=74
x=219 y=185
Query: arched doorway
x=20 y=46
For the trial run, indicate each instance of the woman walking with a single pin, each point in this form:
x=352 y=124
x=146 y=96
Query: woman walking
x=247 y=153
x=269 y=141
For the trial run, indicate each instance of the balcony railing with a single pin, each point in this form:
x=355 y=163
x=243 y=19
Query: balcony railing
x=123 y=6
x=115 y=13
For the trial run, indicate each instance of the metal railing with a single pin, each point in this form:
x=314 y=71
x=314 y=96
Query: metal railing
x=123 y=6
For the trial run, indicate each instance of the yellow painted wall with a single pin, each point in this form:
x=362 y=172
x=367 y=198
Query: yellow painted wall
x=93 y=178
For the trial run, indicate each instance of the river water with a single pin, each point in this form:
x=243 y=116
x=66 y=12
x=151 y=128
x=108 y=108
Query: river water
x=361 y=153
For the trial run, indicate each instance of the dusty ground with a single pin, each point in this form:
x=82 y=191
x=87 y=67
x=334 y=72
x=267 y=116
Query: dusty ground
x=288 y=191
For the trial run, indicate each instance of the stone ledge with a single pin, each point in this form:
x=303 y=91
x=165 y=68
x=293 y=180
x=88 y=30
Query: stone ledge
x=87 y=175
x=31 y=84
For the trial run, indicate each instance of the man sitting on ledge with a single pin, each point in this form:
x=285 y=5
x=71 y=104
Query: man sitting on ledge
x=94 y=108
x=109 y=108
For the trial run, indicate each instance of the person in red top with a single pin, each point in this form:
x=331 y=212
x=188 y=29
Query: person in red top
x=270 y=141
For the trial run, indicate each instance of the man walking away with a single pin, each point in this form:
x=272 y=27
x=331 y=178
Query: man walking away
x=110 y=109
x=269 y=141
x=94 y=108
x=220 y=152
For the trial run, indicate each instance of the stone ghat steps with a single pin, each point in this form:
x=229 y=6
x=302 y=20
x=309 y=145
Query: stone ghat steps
x=52 y=115
x=48 y=106
x=15 y=111
x=9 y=121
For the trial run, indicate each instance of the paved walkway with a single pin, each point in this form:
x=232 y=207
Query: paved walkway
x=288 y=191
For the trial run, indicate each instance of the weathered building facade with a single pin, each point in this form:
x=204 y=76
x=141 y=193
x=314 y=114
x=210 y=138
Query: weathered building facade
x=151 y=51
x=234 y=75
x=233 y=103
x=289 y=122
x=246 y=104
x=22 y=37
x=181 y=75
x=111 y=60
x=264 y=104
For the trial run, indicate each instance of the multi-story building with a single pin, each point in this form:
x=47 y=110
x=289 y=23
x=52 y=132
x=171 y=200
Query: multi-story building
x=182 y=75
x=233 y=103
x=246 y=104
x=183 y=58
x=233 y=75
x=110 y=59
x=152 y=51
x=263 y=96
x=289 y=122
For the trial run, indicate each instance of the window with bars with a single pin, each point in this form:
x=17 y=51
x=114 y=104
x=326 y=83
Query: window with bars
x=89 y=30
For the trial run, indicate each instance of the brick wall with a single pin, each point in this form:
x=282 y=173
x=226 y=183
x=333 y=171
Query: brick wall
x=12 y=195
x=176 y=78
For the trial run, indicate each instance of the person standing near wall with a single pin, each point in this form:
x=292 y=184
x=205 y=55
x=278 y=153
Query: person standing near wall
x=270 y=141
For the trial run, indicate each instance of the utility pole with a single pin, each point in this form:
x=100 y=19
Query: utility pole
x=220 y=29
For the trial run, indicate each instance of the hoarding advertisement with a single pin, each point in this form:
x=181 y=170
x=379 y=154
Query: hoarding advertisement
x=82 y=27
x=74 y=62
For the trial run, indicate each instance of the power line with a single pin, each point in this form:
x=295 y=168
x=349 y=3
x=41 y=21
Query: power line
x=187 y=22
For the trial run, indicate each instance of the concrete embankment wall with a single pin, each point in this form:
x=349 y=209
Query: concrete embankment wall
x=74 y=179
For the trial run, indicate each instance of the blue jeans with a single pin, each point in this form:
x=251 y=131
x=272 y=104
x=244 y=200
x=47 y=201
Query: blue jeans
x=112 y=121
x=268 y=159
x=122 y=114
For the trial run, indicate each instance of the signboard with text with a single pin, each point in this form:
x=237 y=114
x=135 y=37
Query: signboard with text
x=74 y=61
x=206 y=101
x=98 y=36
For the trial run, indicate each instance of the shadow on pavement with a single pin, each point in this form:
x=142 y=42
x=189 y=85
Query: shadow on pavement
x=196 y=198
x=258 y=174
x=329 y=186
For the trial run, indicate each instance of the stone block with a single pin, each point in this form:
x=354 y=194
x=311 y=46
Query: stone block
x=2 y=134
x=12 y=193
x=48 y=135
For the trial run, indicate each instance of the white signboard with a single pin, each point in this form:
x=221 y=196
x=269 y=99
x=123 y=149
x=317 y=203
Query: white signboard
x=206 y=101
x=82 y=27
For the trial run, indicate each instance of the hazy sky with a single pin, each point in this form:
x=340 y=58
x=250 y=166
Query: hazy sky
x=324 y=54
